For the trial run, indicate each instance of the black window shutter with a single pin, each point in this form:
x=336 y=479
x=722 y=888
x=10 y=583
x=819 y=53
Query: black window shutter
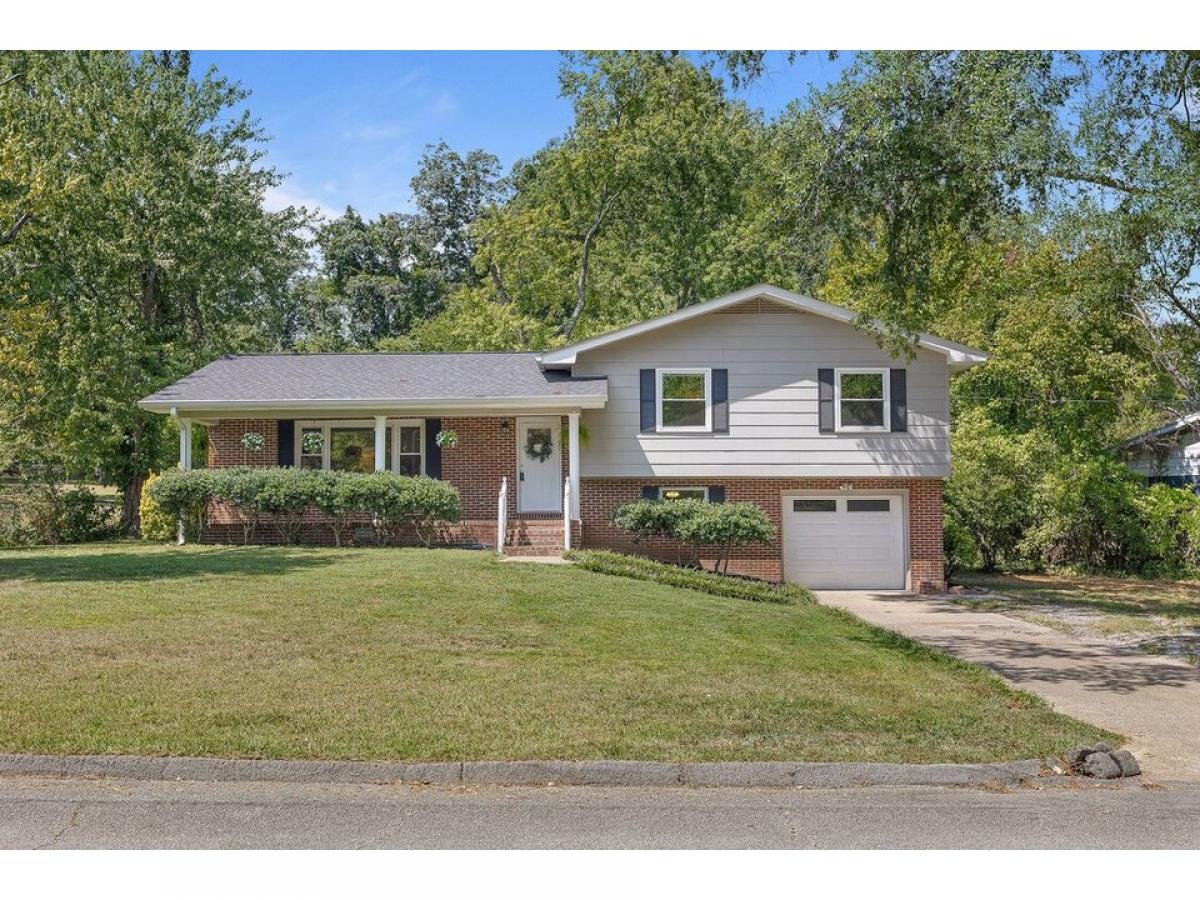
x=433 y=453
x=825 y=401
x=285 y=441
x=716 y=493
x=899 y=395
x=720 y=401
x=649 y=404
x=649 y=491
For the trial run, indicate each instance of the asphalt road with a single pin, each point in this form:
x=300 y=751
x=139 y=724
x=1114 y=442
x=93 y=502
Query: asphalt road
x=111 y=813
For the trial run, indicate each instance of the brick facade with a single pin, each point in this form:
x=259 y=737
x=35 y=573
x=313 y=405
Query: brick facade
x=487 y=452
x=225 y=443
x=600 y=497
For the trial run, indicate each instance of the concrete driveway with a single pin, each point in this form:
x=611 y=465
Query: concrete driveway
x=1152 y=700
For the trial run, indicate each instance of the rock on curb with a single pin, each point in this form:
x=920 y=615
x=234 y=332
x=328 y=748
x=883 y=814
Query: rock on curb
x=629 y=773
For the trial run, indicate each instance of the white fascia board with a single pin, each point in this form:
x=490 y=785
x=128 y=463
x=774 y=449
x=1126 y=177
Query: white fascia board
x=589 y=401
x=958 y=356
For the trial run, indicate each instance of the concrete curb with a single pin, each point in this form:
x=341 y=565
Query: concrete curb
x=629 y=773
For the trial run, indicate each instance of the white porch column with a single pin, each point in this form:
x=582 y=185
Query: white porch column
x=185 y=443
x=381 y=462
x=573 y=464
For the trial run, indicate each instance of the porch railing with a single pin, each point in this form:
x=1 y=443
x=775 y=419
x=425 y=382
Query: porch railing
x=566 y=513
x=502 y=516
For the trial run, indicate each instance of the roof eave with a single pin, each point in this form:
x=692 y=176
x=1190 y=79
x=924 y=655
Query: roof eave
x=958 y=356
x=547 y=401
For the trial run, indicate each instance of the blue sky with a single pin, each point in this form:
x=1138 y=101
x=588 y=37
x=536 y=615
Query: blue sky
x=349 y=127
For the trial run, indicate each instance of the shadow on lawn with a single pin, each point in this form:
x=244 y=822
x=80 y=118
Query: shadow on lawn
x=134 y=566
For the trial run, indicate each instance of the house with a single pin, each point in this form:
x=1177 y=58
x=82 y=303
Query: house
x=762 y=395
x=1168 y=455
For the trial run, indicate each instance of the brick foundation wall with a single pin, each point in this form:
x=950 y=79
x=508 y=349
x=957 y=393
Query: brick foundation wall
x=600 y=497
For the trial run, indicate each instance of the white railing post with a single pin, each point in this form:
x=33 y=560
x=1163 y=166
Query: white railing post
x=566 y=513
x=502 y=516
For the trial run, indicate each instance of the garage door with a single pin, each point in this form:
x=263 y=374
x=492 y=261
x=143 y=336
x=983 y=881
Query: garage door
x=844 y=542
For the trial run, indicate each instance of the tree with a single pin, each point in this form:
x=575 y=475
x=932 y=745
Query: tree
x=614 y=221
x=143 y=251
x=381 y=278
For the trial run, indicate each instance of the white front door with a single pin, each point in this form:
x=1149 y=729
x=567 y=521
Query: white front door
x=844 y=541
x=539 y=465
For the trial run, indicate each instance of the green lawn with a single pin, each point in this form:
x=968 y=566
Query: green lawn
x=415 y=654
x=1158 y=616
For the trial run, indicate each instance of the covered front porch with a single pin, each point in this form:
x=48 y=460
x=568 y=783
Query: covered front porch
x=517 y=474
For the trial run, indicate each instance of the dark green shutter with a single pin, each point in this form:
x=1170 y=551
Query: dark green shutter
x=285 y=442
x=649 y=404
x=720 y=401
x=825 y=418
x=716 y=493
x=899 y=398
x=433 y=453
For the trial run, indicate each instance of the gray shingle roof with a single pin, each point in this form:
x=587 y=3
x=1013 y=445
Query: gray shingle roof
x=363 y=377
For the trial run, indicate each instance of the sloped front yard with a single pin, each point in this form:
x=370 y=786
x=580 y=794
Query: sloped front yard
x=414 y=654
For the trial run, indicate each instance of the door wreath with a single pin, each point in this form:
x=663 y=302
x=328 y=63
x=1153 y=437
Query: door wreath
x=537 y=444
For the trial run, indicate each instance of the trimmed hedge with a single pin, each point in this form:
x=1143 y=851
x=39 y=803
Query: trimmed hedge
x=281 y=496
x=645 y=569
x=697 y=524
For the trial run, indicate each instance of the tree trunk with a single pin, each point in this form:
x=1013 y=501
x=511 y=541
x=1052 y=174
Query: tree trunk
x=131 y=514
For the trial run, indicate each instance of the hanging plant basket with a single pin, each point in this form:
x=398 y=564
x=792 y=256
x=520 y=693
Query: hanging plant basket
x=312 y=443
x=538 y=445
x=446 y=440
x=253 y=441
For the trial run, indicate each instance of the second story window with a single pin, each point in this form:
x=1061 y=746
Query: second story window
x=684 y=400
x=861 y=400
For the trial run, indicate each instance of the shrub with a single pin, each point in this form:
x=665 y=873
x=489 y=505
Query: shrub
x=333 y=496
x=958 y=546
x=47 y=514
x=184 y=496
x=1086 y=515
x=1171 y=520
x=990 y=492
x=431 y=503
x=240 y=487
x=644 y=569
x=157 y=523
x=724 y=526
x=285 y=494
x=395 y=503
x=695 y=524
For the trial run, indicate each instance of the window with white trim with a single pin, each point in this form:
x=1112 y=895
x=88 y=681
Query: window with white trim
x=861 y=400
x=684 y=400
x=349 y=446
x=693 y=492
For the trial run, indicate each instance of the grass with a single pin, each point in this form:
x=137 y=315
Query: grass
x=1106 y=606
x=644 y=569
x=415 y=654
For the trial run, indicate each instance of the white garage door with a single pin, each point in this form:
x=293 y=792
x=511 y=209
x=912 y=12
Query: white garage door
x=844 y=542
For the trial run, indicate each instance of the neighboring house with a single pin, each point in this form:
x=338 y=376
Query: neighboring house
x=1168 y=455
x=762 y=395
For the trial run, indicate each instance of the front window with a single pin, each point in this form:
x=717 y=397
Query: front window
x=353 y=449
x=408 y=457
x=349 y=446
x=684 y=400
x=683 y=493
x=862 y=400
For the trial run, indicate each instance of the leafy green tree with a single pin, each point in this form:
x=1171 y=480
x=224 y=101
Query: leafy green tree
x=143 y=250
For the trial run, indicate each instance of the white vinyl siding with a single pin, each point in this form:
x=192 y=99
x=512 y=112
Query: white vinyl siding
x=772 y=360
x=1182 y=459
